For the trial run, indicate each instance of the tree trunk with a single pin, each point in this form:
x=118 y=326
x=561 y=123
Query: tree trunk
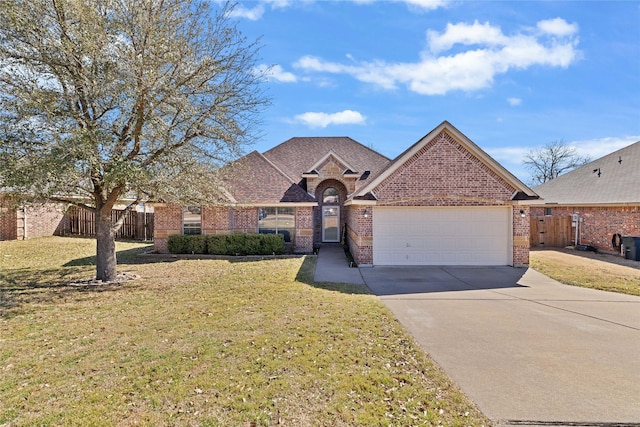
x=106 y=266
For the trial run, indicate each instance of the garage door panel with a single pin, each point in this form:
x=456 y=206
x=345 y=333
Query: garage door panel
x=441 y=236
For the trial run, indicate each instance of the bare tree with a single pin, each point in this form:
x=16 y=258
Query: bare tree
x=552 y=160
x=102 y=100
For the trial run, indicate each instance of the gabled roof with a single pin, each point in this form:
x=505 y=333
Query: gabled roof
x=254 y=179
x=612 y=179
x=317 y=165
x=521 y=188
x=298 y=156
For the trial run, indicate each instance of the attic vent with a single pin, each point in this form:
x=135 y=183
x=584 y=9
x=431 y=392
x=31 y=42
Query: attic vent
x=365 y=175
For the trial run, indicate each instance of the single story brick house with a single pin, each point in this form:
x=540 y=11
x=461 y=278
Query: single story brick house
x=605 y=194
x=443 y=201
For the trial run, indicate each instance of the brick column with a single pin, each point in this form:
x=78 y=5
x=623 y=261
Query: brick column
x=521 y=234
x=360 y=234
x=167 y=221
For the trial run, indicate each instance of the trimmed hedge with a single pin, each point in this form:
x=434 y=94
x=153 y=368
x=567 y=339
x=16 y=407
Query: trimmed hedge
x=187 y=244
x=227 y=244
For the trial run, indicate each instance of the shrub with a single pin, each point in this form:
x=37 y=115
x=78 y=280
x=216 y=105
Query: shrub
x=272 y=243
x=197 y=245
x=217 y=244
x=245 y=244
x=227 y=244
x=179 y=244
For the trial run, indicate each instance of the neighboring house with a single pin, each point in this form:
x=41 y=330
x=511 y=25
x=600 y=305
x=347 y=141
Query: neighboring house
x=443 y=201
x=28 y=221
x=605 y=194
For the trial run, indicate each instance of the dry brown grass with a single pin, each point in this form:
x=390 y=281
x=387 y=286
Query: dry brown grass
x=205 y=343
x=589 y=270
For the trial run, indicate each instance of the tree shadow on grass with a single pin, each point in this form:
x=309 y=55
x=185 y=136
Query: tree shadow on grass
x=22 y=288
x=307 y=271
x=128 y=256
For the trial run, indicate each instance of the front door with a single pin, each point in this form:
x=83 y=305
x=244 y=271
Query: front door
x=330 y=224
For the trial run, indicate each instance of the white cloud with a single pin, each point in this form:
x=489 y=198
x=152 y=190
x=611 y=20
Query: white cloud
x=462 y=33
x=514 y=102
x=278 y=4
x=252 y=14
x=596 y=148
x=427 y=4
x=489 y=52
x=558 y=27
x=322 y=120
x=508 y=154
x=277 y=73
x=414 y=4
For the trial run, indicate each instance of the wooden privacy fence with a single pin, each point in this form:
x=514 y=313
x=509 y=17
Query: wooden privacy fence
x=136 y=226
x=551 y=231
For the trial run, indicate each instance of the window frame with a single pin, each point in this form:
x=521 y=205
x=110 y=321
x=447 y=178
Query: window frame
x=191 y=228
x=287 y=232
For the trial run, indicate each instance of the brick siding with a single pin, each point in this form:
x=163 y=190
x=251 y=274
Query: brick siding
x=215 y=220
x=8 y=223
x=244 y=220
x=360 y=234
x=222 y=220
x=331 y=169
x=44 y=219
x=33 y=220
x=167 y=221
x=441 y=173
x=304 y=230
x=521 y=233
x=599 y=224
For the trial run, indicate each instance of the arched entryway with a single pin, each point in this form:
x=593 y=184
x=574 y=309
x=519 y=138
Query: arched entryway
x=328 y=217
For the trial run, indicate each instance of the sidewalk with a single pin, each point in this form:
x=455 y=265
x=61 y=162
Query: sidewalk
x=332 y=266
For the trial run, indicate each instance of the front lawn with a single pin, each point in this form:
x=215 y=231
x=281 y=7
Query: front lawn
x=204 y=343
x=589 y=270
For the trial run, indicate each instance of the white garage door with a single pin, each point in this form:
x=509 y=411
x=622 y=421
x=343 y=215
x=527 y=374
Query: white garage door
x=442 y=236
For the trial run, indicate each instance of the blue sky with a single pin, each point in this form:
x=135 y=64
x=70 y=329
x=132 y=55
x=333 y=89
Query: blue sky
x=510 y=75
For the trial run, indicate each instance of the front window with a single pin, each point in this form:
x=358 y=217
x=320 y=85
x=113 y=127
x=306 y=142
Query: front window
x=277 y=221
x=191 y=220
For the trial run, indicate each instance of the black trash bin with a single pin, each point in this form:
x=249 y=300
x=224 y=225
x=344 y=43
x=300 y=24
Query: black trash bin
x=631 y=247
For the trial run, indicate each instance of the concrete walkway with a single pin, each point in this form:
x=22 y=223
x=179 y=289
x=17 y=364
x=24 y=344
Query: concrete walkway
x=332 y=266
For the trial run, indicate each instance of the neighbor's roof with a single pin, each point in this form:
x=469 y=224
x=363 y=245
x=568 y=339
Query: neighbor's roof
x=297 y=156
x=618 y=181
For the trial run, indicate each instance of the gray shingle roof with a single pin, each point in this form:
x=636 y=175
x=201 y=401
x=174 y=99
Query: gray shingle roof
x=275 y=176
x=297 y=156
x=254 y=179
x=618 y=183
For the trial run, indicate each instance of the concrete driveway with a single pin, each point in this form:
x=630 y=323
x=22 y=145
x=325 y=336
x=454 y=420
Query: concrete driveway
x=527 y=349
